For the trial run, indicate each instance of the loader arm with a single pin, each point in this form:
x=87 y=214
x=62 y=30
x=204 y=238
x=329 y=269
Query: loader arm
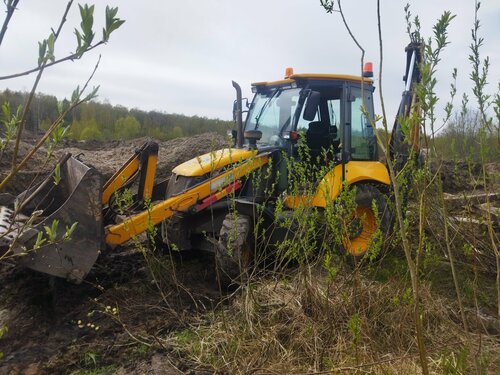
x=402 y=146
x=194 y=199
x=142 y=164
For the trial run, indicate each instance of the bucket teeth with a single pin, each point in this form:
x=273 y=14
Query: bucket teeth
x=9 y=225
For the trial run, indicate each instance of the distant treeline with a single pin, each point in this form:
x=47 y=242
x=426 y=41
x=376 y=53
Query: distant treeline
x=103 y=121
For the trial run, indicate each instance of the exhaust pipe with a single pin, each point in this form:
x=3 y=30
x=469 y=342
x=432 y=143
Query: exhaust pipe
x=238 y=116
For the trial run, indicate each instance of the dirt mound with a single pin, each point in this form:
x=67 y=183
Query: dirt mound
x=463 y=176
x=107 y=157
x=36 y=167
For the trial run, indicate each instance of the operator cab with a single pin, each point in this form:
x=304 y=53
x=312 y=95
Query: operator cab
x=326 y=112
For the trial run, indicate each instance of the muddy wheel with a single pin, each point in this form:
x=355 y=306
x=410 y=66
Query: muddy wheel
x=364 y=225
x=234 y=254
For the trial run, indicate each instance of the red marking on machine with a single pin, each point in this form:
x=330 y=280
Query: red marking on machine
x=219 y=195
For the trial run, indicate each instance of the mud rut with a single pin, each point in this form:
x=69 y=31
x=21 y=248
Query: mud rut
x=52 y=324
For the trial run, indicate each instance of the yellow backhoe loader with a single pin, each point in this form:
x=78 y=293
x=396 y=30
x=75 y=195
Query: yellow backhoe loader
x=208 y=198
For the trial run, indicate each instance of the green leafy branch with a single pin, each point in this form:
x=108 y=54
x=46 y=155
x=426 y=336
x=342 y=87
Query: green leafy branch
x=10 y=122
x=50 y=235
x=11 y=7
x=328 y=5
x=480 y=69
x=84 y=38
x=112 y=23
x=77 y=98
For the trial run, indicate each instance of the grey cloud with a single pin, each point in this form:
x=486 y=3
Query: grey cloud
x=180 y=56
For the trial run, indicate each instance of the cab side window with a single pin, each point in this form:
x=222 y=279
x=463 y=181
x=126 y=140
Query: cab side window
x=363 y=141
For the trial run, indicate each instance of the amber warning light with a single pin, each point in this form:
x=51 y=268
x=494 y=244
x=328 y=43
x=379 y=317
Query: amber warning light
x=368 y=70
x=288 y=72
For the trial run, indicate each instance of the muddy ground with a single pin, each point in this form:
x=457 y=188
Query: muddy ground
x=96 y=327
x=58 y=328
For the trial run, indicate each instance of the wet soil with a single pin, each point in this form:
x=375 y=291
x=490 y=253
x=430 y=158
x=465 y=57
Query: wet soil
x=55 y=327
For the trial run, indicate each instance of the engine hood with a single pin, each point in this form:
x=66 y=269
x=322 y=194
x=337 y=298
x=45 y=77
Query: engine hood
x=212 y=161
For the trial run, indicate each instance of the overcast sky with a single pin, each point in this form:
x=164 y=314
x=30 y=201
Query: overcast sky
x=180 y=56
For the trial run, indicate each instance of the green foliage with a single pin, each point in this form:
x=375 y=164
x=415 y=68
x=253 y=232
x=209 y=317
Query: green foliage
x=455 y=364
x=52 y=230
x=39 y=241
x=464 y=138
x=177 y=132
x=433 y=49
x=45 y=124
x=90 y=358
x=112 y=23
x=91 y=133
x=123 y=200
x=354 y=326
x=69 y=231
x=473 y=135
x=3 y=331
x=85 y=36
x=328 y=5
x=91 y=365
x=76 y=129
x=60 y=132
x=104 y=121
x=127 y=128
x=57 y=174
x=46 y=50
x=10 y=123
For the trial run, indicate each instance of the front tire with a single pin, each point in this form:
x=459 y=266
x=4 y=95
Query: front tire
x=234 y=254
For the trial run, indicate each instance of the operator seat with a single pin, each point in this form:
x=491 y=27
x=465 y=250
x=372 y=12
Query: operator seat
x=318 y=138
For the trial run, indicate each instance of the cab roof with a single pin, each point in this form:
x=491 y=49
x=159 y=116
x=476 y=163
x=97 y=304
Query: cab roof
x=314 y=77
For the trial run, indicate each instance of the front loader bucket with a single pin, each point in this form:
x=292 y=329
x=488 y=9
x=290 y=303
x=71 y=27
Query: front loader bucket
x=75 y=199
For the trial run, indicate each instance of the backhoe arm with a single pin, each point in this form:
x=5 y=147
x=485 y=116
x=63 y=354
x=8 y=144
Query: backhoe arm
x=405 y=136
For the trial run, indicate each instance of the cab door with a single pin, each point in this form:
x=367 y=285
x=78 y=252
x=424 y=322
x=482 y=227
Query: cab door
x=360 y=143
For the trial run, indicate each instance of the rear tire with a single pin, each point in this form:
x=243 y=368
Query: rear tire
x=365 y=220
x=234 y=255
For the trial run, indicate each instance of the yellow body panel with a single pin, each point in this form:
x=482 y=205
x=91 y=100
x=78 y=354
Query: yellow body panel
x=331 y=185
x=120 y=233
x=212 y=161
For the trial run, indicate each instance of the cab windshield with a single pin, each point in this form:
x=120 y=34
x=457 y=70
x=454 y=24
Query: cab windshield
x=272 y=112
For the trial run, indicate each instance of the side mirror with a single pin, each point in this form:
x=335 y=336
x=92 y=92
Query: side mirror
x=311 y=106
